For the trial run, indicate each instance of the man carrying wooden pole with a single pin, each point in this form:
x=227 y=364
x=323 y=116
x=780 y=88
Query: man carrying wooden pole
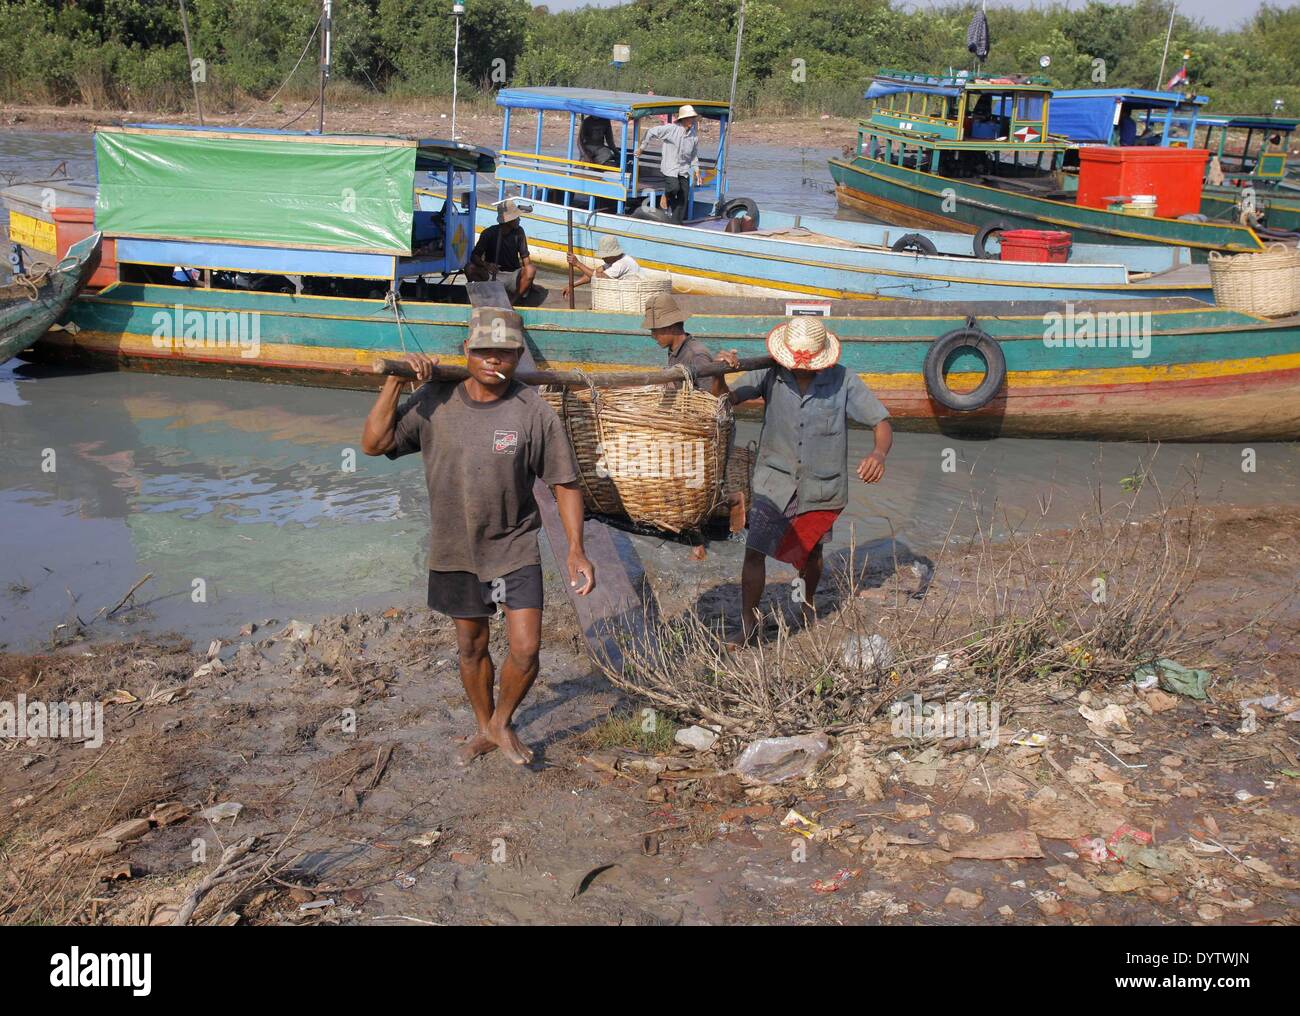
x=484 y=441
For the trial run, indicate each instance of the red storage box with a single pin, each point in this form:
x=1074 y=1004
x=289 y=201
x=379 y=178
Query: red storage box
x=73 y=224
x=1173 y=175
x=1041 y=245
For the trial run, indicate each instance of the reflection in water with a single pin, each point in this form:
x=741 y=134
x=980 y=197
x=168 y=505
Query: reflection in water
x=246 y=487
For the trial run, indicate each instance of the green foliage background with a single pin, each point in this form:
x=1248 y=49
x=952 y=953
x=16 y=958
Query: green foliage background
x=130 y=53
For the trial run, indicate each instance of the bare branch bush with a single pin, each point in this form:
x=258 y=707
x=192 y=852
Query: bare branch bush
x=1089 y=603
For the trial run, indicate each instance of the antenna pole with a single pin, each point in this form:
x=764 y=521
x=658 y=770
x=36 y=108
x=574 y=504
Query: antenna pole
x=189 y=58
x=324 y=63
x=1168 y=32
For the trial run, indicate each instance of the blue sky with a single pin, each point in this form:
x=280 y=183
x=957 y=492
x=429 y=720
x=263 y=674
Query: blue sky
x=1217 y=13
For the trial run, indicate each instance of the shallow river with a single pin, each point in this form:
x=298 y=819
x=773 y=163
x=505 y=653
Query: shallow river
x=238 y=499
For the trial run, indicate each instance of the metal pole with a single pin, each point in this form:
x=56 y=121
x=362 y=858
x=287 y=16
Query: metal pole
x=189 y=57
x=324 y=65
x=455 y=72
x=731 y=102
x=1169 y=32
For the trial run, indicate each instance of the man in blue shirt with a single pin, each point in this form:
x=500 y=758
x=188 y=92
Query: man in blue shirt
x=801 y=475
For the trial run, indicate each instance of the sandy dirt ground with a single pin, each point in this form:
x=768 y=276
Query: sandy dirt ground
x=477 y=123
x=330 y=743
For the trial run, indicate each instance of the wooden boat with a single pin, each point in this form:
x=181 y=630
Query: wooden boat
x=29 y=305
x=316 y=303
x=966 y=152
x=1207 y=375
x=1091 y=116
x=1260 y=164
x=784 y=255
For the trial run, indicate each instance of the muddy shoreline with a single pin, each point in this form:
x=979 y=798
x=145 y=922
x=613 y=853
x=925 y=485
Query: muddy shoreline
x=336 y=737
x=477 y=123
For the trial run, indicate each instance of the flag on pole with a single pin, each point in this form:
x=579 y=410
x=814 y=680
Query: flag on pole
x=1180 y=78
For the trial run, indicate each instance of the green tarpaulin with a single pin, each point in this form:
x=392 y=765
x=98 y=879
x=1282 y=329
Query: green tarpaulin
x=319 y=192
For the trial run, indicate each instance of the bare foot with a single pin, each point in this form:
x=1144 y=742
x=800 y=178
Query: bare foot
x=473 y=747
x=508 y=741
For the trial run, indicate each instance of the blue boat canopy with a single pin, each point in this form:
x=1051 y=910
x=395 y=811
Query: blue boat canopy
x=1240 y=122
x=608 y=104
x=878 y=89
x=1089 y=114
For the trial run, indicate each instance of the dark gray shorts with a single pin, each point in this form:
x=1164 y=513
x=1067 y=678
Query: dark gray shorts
x=464 y=594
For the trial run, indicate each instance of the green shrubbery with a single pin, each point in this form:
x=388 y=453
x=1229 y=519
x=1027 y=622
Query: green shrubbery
x=130 y=52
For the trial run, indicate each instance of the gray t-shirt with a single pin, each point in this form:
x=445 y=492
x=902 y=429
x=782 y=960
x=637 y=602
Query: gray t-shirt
x=692 y=354
x=480 y=462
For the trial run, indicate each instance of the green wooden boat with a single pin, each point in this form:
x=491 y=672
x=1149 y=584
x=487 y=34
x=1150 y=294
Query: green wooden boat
x=29 y=305
x=277 y=295
x=965 y=152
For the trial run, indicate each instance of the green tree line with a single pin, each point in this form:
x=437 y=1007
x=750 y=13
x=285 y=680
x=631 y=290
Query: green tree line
x=800 y=56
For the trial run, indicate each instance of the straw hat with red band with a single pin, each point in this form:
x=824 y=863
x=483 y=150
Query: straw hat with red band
x=803 y=343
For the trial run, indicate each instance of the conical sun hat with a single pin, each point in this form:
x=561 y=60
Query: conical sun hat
x=803 y=343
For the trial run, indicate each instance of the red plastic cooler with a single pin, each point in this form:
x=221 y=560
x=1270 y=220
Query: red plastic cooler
x=1040 y=245
x=1173 y=175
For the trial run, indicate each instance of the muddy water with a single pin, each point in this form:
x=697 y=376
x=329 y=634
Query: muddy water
x=248 y=501
x=243 y=501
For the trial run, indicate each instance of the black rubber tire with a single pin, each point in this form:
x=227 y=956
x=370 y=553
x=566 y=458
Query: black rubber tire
x=646 y=211
x=995 y=372
x=914 y=242
x=734 y=208
x=982 y=237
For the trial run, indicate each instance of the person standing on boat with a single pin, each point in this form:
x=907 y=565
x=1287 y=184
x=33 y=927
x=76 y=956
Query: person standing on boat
x=801 y=474
x=667 y=321
x=614 y=264
x=503 y=248
x=679 y=159
x=485 y=441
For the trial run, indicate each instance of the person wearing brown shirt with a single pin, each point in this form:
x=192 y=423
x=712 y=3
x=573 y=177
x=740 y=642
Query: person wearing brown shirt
x=485 y=441
x=666 y=322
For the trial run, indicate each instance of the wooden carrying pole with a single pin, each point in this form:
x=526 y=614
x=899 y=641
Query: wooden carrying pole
x=574 y=379
x=570 y=255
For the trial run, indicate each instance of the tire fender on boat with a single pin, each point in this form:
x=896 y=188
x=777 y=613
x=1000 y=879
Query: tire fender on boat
x=995 y=368
x=734 y=208
x=648 y=211
x=982 y=237
x=914 y=242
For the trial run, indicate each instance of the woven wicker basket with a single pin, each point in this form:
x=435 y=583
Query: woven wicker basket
x=628 y=296
x=739 y=477
x=654 y=453
x=1266 y=283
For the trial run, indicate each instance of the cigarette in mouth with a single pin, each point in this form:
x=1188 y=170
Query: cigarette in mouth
x=498 y=374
